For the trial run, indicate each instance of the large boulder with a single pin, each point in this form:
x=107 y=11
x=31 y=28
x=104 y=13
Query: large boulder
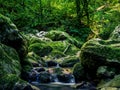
x=10 y=36
x=12 y=53
x=57 y=35
x=97 y=52
x=9 y=61
x=10 y=69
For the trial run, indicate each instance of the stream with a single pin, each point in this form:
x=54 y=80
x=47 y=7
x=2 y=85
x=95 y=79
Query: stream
x=55 y=78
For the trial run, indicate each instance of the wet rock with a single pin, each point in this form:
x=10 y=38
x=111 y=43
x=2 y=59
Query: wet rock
x=79 y=73
x=51 y=63
x=40 y=69
x=85 y=86
x=65 y=78
x=35 y=64
x=44 y=77
x=23 y=87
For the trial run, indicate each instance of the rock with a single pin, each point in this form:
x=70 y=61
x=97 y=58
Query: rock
x=22 y=87
x=13 y=82
x=57 y=54
x=51 y=63
x=97 y=52
x=65 y=78
x=40 y=69
x=79 y=73
x=69 y=61
x=56 y=35
x=44 y=77
x=105 y=72
x=113 y=84
x=33 y=75
x=41 y=49
x=35 y=59
x=10 y=36
x=85 y=86
x=63 y=47
x=9 y=61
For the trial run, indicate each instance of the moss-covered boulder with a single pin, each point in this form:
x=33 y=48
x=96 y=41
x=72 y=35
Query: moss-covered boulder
x=9 y=61
x=57 y=35
x=40 y=49
x=78 y=72
x=10 y=36
x=97 y=52
x=63 y=47
x=34 y=58
x=10 y=69
x=69 y=61
x=13 y=82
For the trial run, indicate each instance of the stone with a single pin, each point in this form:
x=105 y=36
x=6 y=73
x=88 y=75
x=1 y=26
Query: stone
x=44 y=77
x=79 y=73
x=97 y=52
x=51 y=63
x=10 y=36
x=69 y=61
x=41 y=49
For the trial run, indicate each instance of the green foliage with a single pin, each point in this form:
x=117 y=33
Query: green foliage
x=105 y=18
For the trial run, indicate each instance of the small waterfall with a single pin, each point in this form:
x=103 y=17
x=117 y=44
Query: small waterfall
x=57 y=66
x=72 y=79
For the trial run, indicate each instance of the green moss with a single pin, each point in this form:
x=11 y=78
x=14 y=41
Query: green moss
x=40 y=49
x=57 y=35
x=9 y=61
x=34 y=58
x=69 y=61
x=61 y=46
x=57 y=54
x=8 y=81
x=78 y=72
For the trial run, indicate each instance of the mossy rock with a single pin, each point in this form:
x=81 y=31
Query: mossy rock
x=64 y=46
x=10 y=68
x=44 y=77
x=78 y=72
x=41 y=49
x=97 y=52
x=31 y=38
x=69 y=61
x=10 y=36
x=105 y=72
x=56 y=35
x=34 y=58
x=9 y=61
x=13 y=82
x=57 y=54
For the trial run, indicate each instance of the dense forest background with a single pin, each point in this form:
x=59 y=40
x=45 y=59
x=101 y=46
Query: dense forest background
x=82 y=19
